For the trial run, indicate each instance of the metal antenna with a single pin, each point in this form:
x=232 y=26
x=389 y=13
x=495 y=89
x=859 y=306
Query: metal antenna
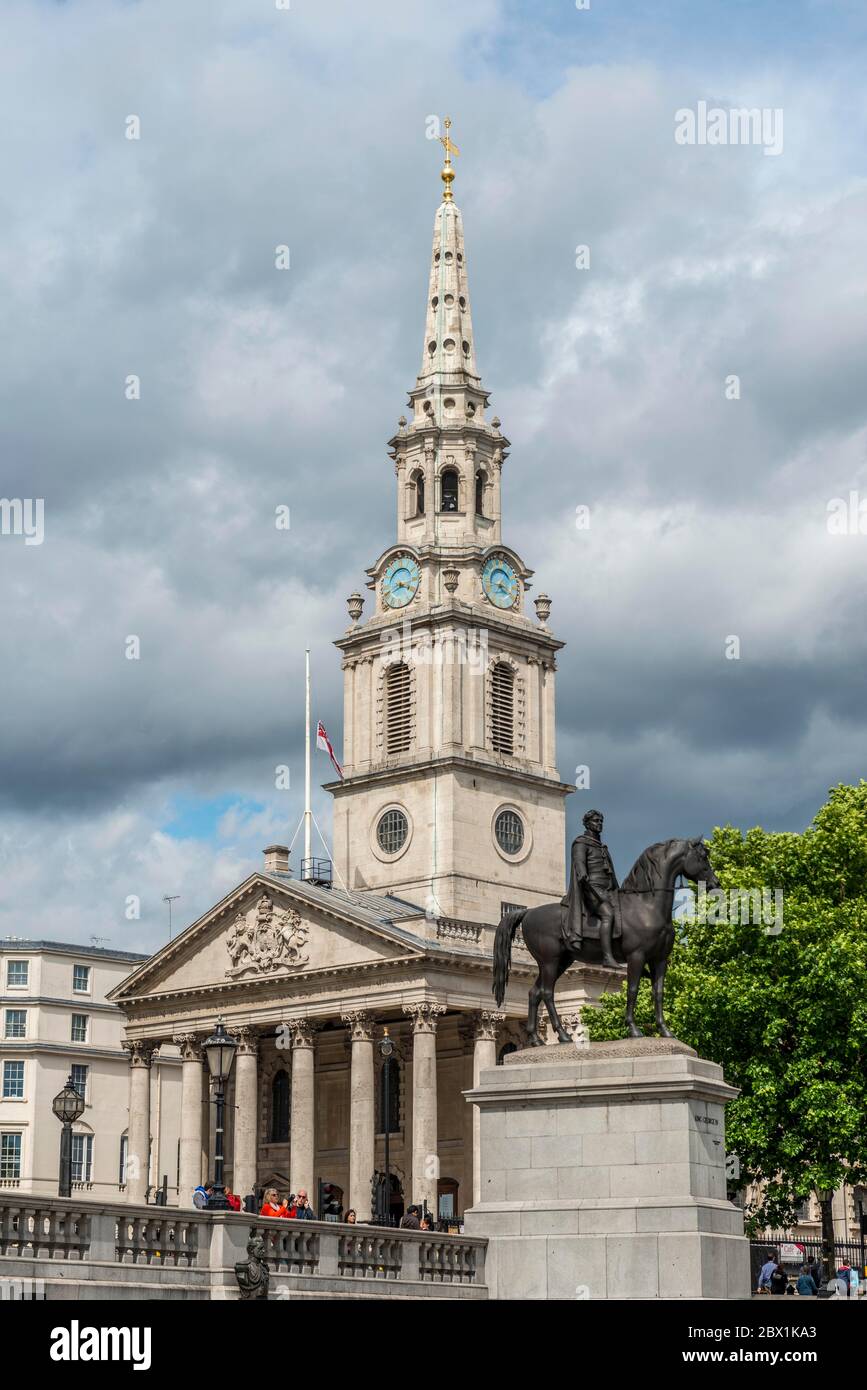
x=170 y=898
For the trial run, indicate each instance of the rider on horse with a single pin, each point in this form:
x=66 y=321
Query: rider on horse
x=592 y=888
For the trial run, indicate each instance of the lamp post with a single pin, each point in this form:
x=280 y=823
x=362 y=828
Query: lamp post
x=826 y=1197
x=67 y=1106
x=220 y=1051
x=386 y=1048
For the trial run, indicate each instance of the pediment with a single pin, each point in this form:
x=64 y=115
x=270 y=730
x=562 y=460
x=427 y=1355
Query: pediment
x=263 y=932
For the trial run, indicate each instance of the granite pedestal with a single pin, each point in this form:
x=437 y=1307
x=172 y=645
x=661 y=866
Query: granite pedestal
x=603 y=1175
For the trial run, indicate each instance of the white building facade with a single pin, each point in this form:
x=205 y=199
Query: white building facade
x=56 y=1023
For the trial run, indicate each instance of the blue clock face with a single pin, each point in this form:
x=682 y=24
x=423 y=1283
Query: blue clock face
x=500 y=582
x=400 y=581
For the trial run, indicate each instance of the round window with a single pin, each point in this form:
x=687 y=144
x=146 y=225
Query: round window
x=509 y=830
x=391 y=832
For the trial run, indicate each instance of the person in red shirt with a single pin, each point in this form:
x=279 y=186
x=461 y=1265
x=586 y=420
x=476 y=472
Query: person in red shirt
x=234 y=1202
x=271 y=1205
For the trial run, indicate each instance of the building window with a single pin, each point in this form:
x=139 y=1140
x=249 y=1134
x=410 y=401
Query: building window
x=388 y=1117
x=82 y=1157
x=391 y=832
x=81 y=979
x=79 y=1028
x=480 y=493
x=280 y=1108
x=13 y=1081
x=419 y=495
x=10 y=1157
x=17 y=973
x=16 y=1023
x=449 y=490
x=512 y=907
x=79 y=1079
x=503 y=708
x=121 y=1165
x=398 y=708
x=509 y=830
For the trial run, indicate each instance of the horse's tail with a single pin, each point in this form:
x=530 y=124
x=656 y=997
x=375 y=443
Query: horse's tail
x=509 y=924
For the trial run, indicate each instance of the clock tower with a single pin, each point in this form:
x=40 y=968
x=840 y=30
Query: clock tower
x=451 y=796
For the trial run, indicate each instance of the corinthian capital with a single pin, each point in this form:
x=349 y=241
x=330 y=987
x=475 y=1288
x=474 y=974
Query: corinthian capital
x=302 y=1032
x=190 y=1045
x=360 y=1024
x=486 y=1024
x=248 y=1040
x=141 y=1052
x=424 y=1015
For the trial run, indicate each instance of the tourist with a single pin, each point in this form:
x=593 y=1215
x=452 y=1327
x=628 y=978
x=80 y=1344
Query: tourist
x=424 y=1224
x=303 y=1209
x=765 y=1274
x=351 y=1218
x=272 y=1205
x=807 y=1286
x=409 y=1221
x=779 y=1281
x=234 y=1202
x=201 y=1195
x=814 y=1265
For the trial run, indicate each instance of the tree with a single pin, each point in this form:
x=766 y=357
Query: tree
x=784 y=1013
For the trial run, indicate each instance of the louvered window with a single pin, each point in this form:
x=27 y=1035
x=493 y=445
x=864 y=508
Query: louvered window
x=398 y=699
x=503 y=708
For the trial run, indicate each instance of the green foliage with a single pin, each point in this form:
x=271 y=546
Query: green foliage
x=785 y=1015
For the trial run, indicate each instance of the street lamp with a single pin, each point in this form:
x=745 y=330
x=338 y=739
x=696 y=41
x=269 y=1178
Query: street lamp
x=386 y=1048
x=826 y=1197
x=67 y=1105
x=220 y=1051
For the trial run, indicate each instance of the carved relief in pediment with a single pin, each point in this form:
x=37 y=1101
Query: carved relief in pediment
x=265 y=938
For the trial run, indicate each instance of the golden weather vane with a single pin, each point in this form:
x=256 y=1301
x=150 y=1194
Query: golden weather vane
x=448 y=172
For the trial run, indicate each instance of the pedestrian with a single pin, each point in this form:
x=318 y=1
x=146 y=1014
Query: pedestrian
x=815 y=1267
x=424 y=1224
x=272 y=1205
x=303 y=1209
x=234 y=1202
x=201 y=1195
x=765 y=1273
x=351 y=1218
x=779 y=1281
x=807 y=1286
x=409 y=1221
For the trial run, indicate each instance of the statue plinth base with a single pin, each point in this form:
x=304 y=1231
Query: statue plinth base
x=603 y=1175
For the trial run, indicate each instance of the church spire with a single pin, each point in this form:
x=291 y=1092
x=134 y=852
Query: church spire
x=449 y=352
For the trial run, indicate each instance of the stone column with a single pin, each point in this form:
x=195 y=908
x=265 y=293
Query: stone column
x=139 y=1140
x=246 y=1112
x=425 y=1158
x=191 y=1116
x=302 y=1118
x=362 y=1112
x=486 y=1025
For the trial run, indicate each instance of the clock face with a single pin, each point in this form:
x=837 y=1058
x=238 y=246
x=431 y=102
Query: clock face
x=500 y=582
x=400 y=581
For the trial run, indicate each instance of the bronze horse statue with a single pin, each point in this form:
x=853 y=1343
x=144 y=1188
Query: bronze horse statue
x=645 y=903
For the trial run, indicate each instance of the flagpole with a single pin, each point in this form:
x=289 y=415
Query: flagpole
x=307 y=810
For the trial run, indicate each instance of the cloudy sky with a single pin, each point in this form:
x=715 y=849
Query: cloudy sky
x=260 y=387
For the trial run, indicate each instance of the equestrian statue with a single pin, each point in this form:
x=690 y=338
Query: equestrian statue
x=600 y=920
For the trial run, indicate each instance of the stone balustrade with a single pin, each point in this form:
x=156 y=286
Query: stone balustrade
x=111 y=1250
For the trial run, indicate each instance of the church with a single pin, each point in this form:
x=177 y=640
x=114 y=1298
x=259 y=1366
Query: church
x=450 y=811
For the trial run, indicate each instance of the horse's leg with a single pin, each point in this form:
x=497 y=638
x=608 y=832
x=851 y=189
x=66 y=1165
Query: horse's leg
x=549 y=974
x=533 y=1013
x=657 y=975
x=634 y=967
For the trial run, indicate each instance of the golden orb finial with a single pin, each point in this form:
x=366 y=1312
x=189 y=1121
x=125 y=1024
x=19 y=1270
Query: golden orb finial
x=447 y=174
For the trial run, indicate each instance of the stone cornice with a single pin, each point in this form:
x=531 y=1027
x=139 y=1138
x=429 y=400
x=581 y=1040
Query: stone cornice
x=385 y=775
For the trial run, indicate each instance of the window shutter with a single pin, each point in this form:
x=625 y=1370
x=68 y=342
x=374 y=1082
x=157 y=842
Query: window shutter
x=398 y=709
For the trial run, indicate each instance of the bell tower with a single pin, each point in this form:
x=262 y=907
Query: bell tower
x=451 y=796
